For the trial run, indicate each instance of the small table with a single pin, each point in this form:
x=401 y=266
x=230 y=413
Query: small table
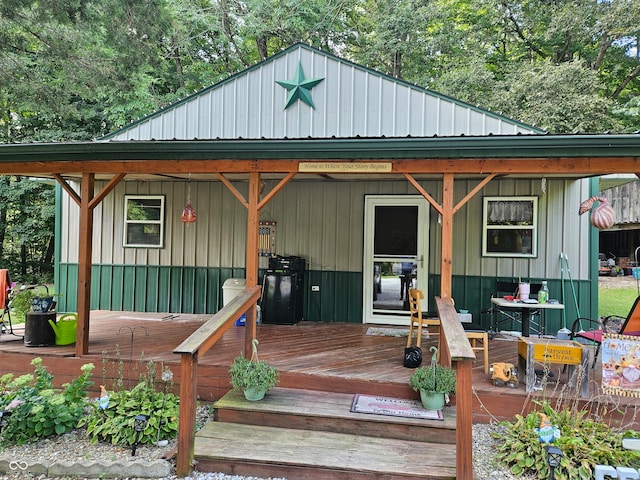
x=525 y=310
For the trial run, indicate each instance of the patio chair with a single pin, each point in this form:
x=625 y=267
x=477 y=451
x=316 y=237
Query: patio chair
x=478 y=336
x=611 y=324
x=419 y=318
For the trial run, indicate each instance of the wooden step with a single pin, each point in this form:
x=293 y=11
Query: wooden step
x=330 y=412
x=311 y=455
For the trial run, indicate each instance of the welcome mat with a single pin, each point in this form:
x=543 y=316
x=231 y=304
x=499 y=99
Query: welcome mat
x=394 y=407
x=393 y=332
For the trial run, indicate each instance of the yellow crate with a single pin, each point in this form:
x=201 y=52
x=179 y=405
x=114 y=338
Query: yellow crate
x=547 y=350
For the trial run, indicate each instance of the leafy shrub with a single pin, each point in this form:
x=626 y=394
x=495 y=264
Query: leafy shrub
x=114 y=424
x=36 y=409
x=256 y=374
x=584 y=443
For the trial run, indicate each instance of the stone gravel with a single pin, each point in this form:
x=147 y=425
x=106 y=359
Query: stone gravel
x=76 y=448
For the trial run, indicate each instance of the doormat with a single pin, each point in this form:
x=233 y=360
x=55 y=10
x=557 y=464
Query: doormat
x=393 y=332
x=394 y=407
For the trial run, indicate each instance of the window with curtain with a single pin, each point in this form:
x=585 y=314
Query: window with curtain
x=510 y=227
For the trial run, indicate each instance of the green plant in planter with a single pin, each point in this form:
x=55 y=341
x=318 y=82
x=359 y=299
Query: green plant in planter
x=252 y=376
x=29 y=296
x=433 y=379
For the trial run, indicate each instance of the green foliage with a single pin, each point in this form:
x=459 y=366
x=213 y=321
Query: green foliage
x=38 y=409
x=114 y=424
x=434 y=378
x=21 y=301
x=584 y=443
x=27 y=219
x=77 y=72
x=258 y=375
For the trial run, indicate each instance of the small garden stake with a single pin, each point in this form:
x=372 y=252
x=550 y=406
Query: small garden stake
x=132 y=330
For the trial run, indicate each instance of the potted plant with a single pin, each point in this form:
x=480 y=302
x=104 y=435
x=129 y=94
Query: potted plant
x=433 y=381
x=254 y=377
x=34 y=298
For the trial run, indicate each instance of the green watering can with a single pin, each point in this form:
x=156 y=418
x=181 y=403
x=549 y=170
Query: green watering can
x=65 y=328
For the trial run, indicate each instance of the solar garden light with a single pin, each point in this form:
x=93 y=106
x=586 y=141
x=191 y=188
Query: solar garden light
x=554 y=456
x=139 y=424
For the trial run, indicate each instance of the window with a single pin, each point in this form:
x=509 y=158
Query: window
x=510 y=227
x=144 y=221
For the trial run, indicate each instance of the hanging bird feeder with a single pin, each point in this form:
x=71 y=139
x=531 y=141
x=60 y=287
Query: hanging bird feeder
x=188 y=212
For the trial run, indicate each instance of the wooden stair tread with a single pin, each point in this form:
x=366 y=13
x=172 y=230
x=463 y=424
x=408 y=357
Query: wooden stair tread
x=311 y=403
x=226 y=442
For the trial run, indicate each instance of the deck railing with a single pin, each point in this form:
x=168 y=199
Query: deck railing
x=198 y=343
x=455 y=351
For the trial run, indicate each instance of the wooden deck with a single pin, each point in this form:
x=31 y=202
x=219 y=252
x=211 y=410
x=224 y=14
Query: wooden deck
x=334 y=357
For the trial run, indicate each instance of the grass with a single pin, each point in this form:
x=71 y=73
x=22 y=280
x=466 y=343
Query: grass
x=616 y=301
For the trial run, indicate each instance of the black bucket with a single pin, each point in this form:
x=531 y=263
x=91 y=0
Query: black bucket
x=37 y=331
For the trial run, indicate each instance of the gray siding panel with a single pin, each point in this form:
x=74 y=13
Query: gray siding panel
x=323 y=222
x=350 y=101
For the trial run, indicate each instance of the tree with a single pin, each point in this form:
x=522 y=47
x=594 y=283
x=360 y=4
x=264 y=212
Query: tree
x=26 y=228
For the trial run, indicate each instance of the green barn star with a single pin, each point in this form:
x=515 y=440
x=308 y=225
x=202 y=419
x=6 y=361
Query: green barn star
x=299 y=88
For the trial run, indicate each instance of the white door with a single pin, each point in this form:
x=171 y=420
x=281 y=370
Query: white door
x=395 y=255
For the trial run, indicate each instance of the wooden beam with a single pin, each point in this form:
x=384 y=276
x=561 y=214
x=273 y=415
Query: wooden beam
x=275 y=190
x=473 y=192
x=67 y=188
x=464 y=420
x=446 y=259
x=423 y=192
x=84 y=263
x=188 y=405
x=457 y=352
x=106 y=190
x=253 y=225
x=233 y=190
x=572 y=166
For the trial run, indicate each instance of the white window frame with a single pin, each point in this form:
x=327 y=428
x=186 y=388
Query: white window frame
x=503 y=231
x=160 y=222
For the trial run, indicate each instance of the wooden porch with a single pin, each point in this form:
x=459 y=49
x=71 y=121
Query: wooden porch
x=332 y=357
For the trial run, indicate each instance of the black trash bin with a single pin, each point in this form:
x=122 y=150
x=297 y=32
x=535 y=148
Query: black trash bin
x=37 y=330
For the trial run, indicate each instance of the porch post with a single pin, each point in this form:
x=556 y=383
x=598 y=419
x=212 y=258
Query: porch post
x=447 y=235
x=253 y=219
x=84 y=263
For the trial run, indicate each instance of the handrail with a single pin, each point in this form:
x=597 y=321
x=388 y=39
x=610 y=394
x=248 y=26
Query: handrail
x=198 y=343
x=456 y=351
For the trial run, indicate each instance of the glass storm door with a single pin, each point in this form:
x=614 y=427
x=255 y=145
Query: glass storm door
x=395 y=255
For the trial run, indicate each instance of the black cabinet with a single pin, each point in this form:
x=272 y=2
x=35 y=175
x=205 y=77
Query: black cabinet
x=282 y=295
x=283 y=291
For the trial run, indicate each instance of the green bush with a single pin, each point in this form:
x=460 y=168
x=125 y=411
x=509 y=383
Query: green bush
x=114 y=424
x=584 y=443
x=36 y=409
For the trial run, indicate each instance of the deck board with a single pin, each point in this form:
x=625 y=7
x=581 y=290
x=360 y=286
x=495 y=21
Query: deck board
x=333 y=356
x=326 y=450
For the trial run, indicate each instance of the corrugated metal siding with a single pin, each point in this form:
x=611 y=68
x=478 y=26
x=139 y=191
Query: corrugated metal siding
x=351 y=101
x=322 y=222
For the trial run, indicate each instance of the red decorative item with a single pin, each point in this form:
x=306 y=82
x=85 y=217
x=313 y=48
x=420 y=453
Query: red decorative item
x=602 y=217
x=188 y=214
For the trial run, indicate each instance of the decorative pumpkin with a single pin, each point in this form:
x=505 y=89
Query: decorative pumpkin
x=602 y=216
